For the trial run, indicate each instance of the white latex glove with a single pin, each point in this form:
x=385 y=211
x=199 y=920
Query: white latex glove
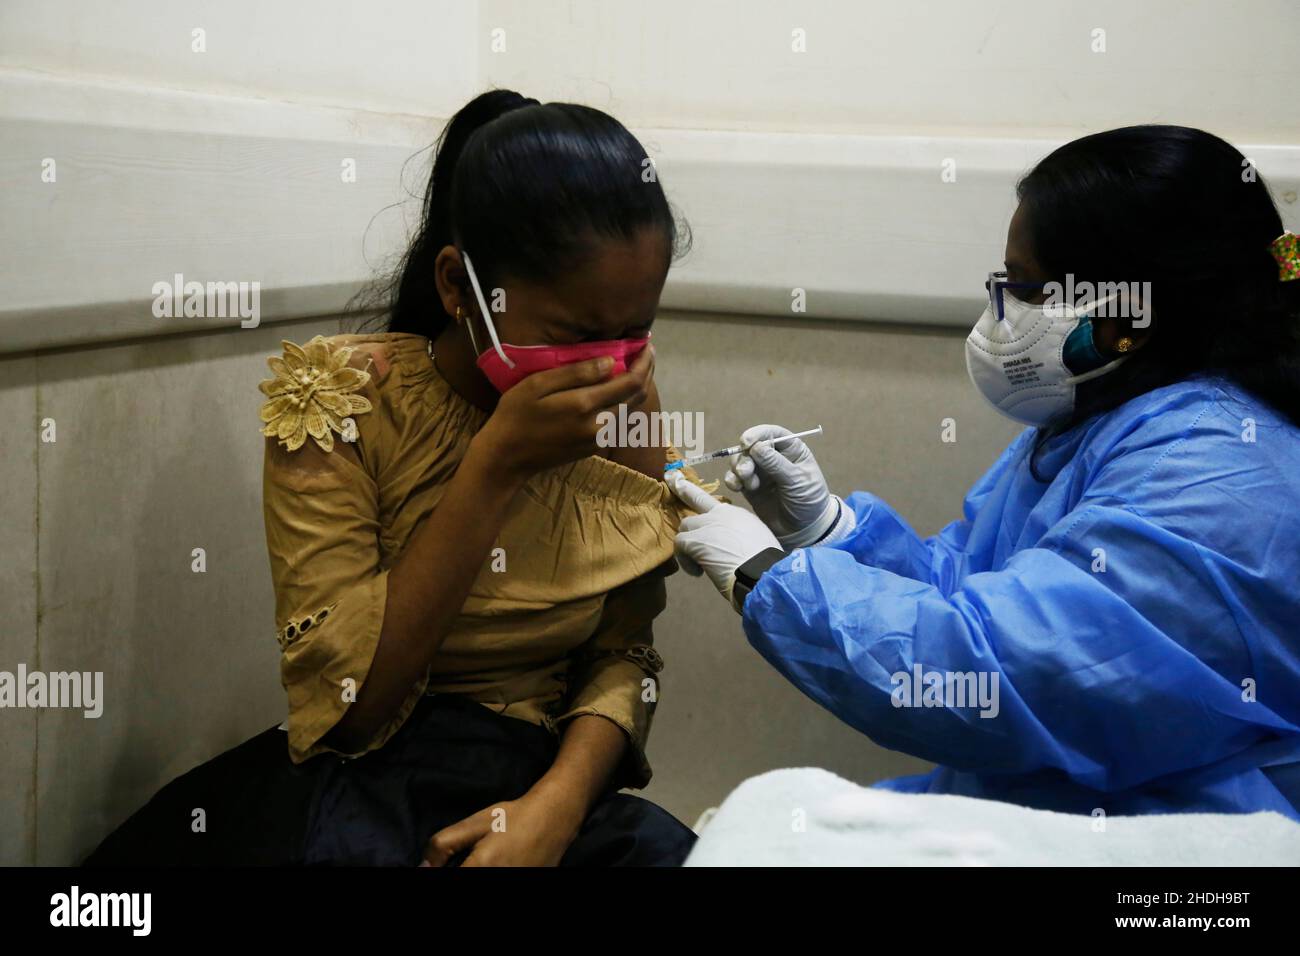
x=785 y=487
x=719 y=539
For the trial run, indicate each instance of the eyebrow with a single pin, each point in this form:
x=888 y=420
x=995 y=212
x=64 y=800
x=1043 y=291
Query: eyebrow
x=568 y=323
x=1015 y=265
x=562 y=319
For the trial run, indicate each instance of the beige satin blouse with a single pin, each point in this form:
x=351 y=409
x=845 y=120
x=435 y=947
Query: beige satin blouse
x=363 y=435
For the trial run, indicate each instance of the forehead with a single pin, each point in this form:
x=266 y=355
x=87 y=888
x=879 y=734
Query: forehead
x=1020 y=256
x=615 y=287
x=1018 y=231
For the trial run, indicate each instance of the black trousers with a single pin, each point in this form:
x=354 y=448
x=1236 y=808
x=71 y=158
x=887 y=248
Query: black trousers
x=452 y=758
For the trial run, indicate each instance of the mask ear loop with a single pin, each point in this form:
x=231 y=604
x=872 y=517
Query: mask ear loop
x=483 y=309
x=1087 y=313
x=1098 y=372
x=469 y=327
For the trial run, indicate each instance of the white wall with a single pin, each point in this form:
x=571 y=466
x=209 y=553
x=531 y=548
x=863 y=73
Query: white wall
x=388 y=56
x=818 y=170
x=969 y=67
x=979 y=66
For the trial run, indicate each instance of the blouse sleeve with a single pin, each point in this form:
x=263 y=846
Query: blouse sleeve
x=321 y=509
x=615 y=674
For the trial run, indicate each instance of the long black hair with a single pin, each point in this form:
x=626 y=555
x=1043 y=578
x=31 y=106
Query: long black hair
x=1187 y=212
x=527 y=189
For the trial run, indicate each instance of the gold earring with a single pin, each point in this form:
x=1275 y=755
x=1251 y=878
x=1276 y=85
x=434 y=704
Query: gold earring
x=1123 y=345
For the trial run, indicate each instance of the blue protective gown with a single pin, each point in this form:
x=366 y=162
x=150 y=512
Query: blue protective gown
x=1139 y=610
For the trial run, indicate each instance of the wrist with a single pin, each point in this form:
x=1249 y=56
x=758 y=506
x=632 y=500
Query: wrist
x=563 y=809
x=487 y=464
x=748 y=573
x=813 y=532
x=844 y=523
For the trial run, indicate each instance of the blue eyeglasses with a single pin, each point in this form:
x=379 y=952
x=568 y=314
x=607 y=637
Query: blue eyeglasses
x=997 y=282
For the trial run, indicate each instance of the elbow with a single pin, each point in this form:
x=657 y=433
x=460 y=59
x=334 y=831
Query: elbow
x=352 y=734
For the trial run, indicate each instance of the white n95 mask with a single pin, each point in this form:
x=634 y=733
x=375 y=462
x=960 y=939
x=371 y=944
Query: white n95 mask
x=1017 y=353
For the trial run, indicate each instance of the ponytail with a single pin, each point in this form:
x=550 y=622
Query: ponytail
x=415 y=306
x=528 y=189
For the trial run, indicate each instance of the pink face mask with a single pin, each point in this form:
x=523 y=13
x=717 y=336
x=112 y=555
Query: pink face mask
x=507 y=365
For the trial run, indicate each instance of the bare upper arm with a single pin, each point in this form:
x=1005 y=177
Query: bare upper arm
x=649 y=460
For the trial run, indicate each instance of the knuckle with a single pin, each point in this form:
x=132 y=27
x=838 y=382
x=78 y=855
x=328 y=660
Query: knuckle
x=441 y=843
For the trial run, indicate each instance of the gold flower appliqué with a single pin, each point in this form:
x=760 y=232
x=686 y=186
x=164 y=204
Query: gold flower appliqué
x=312 y=394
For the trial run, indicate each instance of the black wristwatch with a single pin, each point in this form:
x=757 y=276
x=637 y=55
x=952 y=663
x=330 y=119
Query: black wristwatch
x=747 y=574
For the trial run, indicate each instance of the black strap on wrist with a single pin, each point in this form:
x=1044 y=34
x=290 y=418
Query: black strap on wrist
x=839 y=513
x=747 y=574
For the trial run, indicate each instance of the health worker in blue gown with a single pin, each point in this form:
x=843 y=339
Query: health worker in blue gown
x=1114 y=622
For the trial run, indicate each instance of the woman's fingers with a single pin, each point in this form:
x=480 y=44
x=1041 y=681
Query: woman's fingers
x=757 y=441
x=554 y=417
x=591 y=376
x=691 y=494
x=479 y=857
x=687 y=563
x=628 y=388
x=741 y=476
x=565 y=377
x=757 y=433
x=458 y=837
x=776 y=464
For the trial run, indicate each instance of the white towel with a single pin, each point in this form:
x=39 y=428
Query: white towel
x=810 y=817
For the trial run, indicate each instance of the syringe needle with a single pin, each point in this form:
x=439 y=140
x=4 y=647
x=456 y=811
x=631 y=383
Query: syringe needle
x=734 y=450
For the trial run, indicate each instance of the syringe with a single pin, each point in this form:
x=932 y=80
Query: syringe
x=733 y=450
